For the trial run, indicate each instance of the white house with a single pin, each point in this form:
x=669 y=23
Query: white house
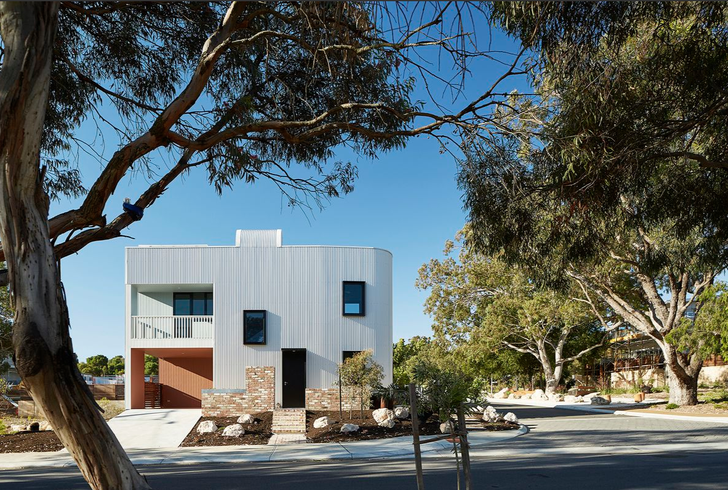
x=252 y=326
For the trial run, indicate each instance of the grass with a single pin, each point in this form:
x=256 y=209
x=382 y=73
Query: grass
x=672 y=406
x=719 y=398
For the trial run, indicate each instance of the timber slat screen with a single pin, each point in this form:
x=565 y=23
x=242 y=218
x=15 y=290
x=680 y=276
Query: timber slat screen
x=152 y=395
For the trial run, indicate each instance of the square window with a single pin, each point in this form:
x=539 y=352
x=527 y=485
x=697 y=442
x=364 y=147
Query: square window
x=254 y=327
x=182 y=304
x=348 y=354
x=353 y=298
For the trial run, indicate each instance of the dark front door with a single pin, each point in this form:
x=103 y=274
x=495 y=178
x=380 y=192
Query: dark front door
x=294 y=378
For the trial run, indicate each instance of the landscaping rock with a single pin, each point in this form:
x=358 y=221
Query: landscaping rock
x=579 y=399
x=589 y=396
x=401 y=412
x=246 y=419
x=570 y=399
x=511 y=417
x=527 y=396
x=539 y=395
x=491 y=415
x=502 y=394
x=447 y=427
x=321 y=422
x=206 y=427
x=387 y=424
x=556 y=397
x=347 y=428
x=235 y=430
x=45 y=425
x=17 y=428
x=598 y=400
x=382 y=414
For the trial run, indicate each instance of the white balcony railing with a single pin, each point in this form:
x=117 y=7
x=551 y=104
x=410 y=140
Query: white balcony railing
x=172 y=327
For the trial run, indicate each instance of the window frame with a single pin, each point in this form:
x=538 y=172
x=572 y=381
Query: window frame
x=245 y=327
x=207 y=295
x=351 y=353
x=363 y=285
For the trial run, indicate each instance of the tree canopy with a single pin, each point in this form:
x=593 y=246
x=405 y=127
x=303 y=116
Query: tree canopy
x=481 y=302
x=616 y=173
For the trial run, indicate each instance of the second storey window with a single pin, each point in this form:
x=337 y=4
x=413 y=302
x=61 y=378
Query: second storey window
x=192 y=304
x=254 y=327
x=354 y=298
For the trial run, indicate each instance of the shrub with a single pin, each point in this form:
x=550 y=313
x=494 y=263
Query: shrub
x=672 y=406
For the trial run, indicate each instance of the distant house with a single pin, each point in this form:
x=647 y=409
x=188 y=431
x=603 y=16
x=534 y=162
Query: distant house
x=11 y=375
x=245 y=328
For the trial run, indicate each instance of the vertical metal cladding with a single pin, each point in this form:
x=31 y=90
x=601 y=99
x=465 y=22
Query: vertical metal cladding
x=300 y=287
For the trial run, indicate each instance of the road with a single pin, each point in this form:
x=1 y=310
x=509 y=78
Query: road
x=564 y=450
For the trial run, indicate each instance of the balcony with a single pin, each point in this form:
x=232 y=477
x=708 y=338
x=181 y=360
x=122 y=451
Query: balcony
x=172 y=331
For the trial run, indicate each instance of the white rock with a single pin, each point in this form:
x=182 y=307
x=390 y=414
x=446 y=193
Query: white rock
x=511 y=417
x=570 y=399
x=590 y=395
x=206 y=427
x=17 y=428
x=321 y=422
x=539 y=395
x=491 y=414
x=401 y=412
x=347 y=428
x=598 y=400
x=387 y=424
x=447 y=427
x=579 y=399
x=45 y=425
x=246 y=418
x=512 y=396
x=556 y=397
x=527 y=396
x=235 y=430
x=501 y=394
x=382 y=414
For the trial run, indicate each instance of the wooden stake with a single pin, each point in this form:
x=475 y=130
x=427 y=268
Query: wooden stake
x=464 y=449
x=416 y=437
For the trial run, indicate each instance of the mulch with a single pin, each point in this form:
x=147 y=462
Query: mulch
x=369 y=429
x=258 y=432
x=30 y=442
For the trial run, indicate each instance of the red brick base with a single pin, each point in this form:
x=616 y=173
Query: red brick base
x=328 y=399
x=258 y=397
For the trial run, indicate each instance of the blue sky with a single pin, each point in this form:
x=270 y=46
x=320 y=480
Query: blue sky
x=406 y=201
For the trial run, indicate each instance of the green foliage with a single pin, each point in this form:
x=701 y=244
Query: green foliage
x=97 y=365
x=151 y=365
x=3 y=386
x=480 y=304
x=116 y=365
x=362 y=374
x=672 y=406
x=707 y=333
x=443 y=385
x=403 y=352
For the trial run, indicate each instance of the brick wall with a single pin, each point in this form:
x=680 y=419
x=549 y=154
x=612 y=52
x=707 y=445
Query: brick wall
x=328 y=399
x=258 y=397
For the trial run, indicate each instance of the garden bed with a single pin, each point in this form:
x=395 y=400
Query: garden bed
x=258 y=432
x=30 y=442
x=369 y=429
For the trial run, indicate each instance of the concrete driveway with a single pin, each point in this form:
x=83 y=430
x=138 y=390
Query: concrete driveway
x=154 y=428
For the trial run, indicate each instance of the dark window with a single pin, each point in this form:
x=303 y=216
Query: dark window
x=254 y=326
x=192 y=304
x=348 y=354
x=354 y=298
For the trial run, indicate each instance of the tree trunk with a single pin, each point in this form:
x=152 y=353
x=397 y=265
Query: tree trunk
x=682 y=380
x=41 y=341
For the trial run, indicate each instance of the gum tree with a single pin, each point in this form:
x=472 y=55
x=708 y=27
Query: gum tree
x=481 y=302
x=619 y=179
x=245 y=91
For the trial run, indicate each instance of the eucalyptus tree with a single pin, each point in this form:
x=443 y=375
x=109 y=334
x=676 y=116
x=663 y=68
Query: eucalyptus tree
x=484 y=303
x=617 y=174
x=245 y=91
